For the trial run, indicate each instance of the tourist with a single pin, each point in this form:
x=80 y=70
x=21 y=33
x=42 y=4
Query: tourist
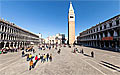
x=36 y=57
x=30 y=56
x=59 y=51
x=92 y=54
x=33 y=50
x=44 y=58
x=35 y=60
x=31 y=64
x=23 y=53
x=74 y=50
x=47 y=56
x=41 y=57
x=82 y=51
x=50 y=58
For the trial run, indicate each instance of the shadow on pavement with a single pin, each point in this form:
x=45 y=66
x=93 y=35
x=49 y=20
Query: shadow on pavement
x=86 y=55
x=109 y=65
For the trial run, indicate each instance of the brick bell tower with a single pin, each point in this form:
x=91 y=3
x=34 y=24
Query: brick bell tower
x=71 y=25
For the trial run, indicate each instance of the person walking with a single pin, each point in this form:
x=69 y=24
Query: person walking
x=50 y=58
x=47 y=56
x=31 y=64
x=82 y=51
x=59 y=51
x=23 y=53
x=30 y=56
x=44 y=57
x=92 y=54
x=36 y=59
x=41 y=57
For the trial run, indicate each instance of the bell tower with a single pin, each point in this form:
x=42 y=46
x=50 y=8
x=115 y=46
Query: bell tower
x=71 y=25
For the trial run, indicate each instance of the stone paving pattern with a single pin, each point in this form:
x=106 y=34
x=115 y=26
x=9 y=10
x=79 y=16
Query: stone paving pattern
x=67 y=63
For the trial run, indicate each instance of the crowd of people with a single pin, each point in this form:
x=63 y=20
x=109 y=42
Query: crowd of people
x=41 y=57
x=9 y=49
x=34 y=58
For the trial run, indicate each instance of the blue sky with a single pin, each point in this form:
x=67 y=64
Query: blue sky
x=51 y=17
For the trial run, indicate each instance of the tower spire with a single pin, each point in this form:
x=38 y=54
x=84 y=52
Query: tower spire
x=71 y=7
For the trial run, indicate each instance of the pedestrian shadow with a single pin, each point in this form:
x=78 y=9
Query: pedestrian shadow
x=35 y=63
x=109 y=65
x=87 y=55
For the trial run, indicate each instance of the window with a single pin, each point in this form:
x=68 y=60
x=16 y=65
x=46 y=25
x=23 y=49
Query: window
x=91 y=31
x=71 y=16
x=117 y=22
x=104 y=26
x=97 y=29
x=110 y=24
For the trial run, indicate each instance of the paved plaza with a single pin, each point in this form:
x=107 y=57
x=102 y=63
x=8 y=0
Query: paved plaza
x=66 y=63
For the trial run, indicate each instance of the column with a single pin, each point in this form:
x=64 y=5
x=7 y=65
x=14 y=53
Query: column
x=109 y=44
x=116 y=45
x=108 y=34
x=6 y=37
x=16 y=44
x=96 y=43
x=96 y=36
x=104 y=44
x=13 y=44
x=0 y=36
x=103 y=34
x=9 y=44
x=3 y=37
x=22 y=44
x=115 y=33
x=99 y=36
x=100 y=44
x=5 y=44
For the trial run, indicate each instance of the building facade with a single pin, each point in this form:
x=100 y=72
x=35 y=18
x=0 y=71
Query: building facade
x=41 y=40
x=71 y=25
x=103 y=35
x=56 y=39
x=13 y=36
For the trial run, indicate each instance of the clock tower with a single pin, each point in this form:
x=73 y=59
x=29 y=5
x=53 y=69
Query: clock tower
x=71 y=25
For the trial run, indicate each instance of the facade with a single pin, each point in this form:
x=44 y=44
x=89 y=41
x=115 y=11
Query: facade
x=56 y=39
x=103 y=35
x=71 y=25
x=41 y=40
x=13 y=36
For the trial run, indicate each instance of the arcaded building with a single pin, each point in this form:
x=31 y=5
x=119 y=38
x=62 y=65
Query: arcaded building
x=13 y=36
x=103 y=35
